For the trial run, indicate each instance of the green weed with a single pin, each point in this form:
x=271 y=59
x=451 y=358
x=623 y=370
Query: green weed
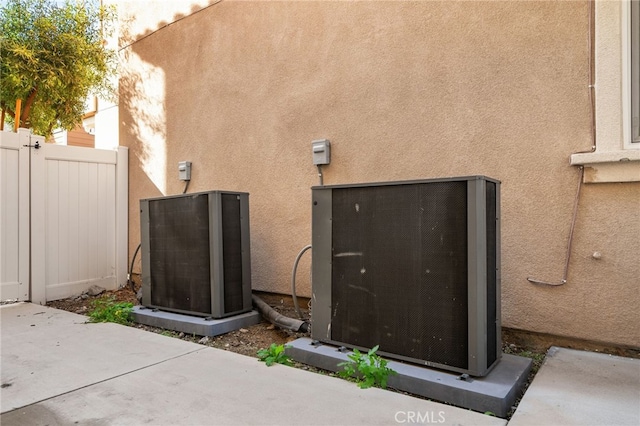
x=274 y=355
x=367 y=369
x=108 y=310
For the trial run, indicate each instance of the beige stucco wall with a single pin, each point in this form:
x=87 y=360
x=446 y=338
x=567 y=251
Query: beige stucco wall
x=404 y=90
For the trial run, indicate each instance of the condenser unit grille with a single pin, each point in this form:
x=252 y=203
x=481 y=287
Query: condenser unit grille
x=179 y=253
x=412 y=267
x=385 y=273
x=195 y=253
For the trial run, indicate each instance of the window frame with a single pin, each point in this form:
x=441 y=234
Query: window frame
x=634 y=69
x=616 y=157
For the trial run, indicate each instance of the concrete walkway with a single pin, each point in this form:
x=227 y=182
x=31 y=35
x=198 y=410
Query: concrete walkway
x=582 y=388
x=57 y=370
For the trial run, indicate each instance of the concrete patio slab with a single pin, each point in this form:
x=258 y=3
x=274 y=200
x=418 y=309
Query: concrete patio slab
x=222 y=388
x=47 y=352
x=58 y=370
x=61 y=371
x=582 y=388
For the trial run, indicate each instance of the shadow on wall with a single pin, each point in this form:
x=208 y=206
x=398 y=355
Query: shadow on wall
x=143 y=89
x=142 y=93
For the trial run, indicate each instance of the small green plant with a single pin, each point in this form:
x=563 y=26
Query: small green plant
x=367 y=369
x=108 y=310
x=274 y=355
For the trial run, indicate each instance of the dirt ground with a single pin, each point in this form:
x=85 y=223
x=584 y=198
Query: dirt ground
x=246 y=341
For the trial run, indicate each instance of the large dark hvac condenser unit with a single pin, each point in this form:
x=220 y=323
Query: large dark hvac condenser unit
x=411 y=266
x=195 y=253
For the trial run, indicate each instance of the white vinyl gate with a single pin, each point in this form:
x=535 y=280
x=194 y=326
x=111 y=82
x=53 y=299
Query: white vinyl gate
x=63 y=218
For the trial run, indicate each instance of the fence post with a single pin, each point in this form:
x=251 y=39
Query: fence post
x=24 y=251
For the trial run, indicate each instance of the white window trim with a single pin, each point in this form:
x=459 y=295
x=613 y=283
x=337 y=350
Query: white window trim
x=634 y=34
x=616 y=158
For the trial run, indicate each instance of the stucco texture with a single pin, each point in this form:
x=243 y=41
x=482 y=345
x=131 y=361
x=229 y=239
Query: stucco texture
x=404 y=90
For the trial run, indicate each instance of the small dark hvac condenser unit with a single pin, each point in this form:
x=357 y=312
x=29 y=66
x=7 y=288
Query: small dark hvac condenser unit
x=195 y=253
x=411 y=266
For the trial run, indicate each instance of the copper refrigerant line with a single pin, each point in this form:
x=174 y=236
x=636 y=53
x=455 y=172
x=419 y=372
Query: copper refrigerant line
x=592 y=126
x=573 y=224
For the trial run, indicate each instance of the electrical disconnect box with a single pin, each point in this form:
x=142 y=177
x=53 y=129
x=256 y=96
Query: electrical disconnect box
x=321 y=152
x=184 y=170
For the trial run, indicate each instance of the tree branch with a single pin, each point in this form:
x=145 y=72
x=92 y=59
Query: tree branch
x=24 y=116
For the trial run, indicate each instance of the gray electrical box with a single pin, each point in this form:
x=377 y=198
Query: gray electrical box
x=321 y=152
x=184 y=170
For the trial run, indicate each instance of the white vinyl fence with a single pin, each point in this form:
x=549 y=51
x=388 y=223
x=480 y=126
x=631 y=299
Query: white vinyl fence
x=63 y=218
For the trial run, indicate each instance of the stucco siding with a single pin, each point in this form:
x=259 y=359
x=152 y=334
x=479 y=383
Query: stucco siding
x=404 y=90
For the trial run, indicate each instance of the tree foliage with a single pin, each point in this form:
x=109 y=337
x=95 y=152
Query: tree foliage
x=52 y=58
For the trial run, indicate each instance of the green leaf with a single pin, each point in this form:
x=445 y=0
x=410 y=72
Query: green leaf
x=373 y=350
x=367 y=369
x=274 y=354
x=108 y=310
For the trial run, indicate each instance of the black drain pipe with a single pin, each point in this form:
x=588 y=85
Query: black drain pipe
x=278 y=319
